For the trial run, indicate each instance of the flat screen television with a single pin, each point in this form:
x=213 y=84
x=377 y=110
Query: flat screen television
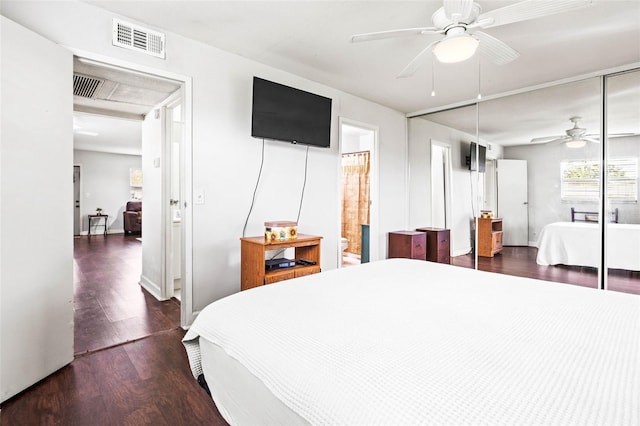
x=482 y=158
x=287 y=114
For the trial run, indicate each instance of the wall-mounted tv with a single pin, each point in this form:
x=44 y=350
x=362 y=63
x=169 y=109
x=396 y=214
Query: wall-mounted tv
x=481 y=158
x=287 y=114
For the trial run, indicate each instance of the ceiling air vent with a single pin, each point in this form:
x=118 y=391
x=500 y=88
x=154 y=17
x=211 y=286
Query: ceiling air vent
x=137 y=38
x=86 y=86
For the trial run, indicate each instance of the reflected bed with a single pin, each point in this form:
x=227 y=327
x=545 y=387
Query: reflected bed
x=404 y=341
x=577 y=244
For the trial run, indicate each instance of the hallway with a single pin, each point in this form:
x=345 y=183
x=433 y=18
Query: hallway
x=110 y=307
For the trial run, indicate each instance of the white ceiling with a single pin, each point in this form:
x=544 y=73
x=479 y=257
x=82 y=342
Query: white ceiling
x=311 y=39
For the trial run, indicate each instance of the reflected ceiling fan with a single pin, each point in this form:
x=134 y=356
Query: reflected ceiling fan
x=577 y=136
x=459 y=21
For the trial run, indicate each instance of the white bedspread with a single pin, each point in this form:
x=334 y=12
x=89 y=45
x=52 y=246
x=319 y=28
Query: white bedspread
x=402 y=342
x=576 y=243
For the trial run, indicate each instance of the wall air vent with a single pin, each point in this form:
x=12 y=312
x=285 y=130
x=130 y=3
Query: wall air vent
x=86 y=86
x=135 y=37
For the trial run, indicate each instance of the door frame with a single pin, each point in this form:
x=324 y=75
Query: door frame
x=447 y=168
x=373 y=186
x=186 y=305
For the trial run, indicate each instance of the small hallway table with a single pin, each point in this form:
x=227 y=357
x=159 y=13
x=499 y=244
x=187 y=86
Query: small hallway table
x=99 y=216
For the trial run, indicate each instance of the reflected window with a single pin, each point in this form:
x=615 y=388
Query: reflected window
x=580 y=180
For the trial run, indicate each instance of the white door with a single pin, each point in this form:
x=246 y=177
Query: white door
x=440 y=185
x=153 y=217
x=174 y=258
x=36 y=255
x=76 y=200
x=513 y=202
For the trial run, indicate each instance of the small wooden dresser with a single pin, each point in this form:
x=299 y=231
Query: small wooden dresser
x=408 y=244
x=438 y=244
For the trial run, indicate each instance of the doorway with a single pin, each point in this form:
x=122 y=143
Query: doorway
x=163 y=260
x=440 y=184
x=357 y=145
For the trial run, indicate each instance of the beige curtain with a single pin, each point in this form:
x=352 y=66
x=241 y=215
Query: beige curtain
x=355 y=197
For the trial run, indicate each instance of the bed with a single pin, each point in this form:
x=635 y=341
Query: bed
x=576 y=244
x=403 y=341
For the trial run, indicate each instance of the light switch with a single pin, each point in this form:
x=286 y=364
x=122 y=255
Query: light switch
x=198 y=195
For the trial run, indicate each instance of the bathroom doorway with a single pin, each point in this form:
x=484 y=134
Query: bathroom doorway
x=357 y=147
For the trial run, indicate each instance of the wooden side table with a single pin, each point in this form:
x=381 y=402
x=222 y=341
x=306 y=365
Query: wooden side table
x=252 y=259
x=438 y=244
x=99 y=216
x=408 y=244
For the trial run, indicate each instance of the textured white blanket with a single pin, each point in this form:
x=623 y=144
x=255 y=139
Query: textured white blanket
x=412 y=342
x=578 y=243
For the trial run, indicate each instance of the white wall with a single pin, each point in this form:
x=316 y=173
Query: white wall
x=36 y=209
x=105 y=183
x=226 y=158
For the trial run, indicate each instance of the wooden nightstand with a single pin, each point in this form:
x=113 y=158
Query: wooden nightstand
x=408 y=244
x=252 y=260
x=438 y=244
x=489 y=236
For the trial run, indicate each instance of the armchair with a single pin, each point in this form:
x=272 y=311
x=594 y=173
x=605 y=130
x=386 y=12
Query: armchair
x=132 y=217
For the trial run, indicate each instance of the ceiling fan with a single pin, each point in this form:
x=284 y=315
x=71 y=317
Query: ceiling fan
x=459 y=20
x=576 y=137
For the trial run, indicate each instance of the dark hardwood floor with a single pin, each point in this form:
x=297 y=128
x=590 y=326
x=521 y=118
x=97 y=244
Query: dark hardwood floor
x=110 y=307
x=144 y=382
x=130 y=366
x=521 y=262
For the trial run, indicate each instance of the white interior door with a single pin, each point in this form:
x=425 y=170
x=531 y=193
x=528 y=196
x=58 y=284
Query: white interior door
x=513 y=201
x=440 y=184
x=76 y=200
x=175 y=243
x=153 y=217
x=36 y=254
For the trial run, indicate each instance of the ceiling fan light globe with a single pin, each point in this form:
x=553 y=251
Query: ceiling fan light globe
x=456 y=48
x=577 y=143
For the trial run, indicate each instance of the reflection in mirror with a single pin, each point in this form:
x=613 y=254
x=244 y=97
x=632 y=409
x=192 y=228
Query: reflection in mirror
x=541 y=190
x=623 y=151
x=426 y=133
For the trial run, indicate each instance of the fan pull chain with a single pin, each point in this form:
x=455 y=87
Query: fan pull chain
x=479 y=92
x=433 y=86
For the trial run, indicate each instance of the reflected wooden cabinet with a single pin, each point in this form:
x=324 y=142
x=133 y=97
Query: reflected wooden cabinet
x=408 y=244
x=489 y=236
x=438 y=244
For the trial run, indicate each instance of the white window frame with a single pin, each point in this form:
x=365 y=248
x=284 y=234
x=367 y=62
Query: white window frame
x=587 y=189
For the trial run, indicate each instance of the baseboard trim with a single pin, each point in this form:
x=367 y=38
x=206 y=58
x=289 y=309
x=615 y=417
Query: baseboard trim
x=461 y=252
x=150 y=286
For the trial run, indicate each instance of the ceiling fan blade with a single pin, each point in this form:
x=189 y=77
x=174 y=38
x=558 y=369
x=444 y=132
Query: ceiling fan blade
x=596 y=136
x=621 y=135
x=394 y=33
x=411 y=68
x=531 y=9
x=591 y=140
x=495 y=50
x=545 y=139
x=560 y=140
x=458 y=10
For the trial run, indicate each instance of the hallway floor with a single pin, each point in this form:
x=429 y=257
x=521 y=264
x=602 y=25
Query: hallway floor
x=110 y=307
